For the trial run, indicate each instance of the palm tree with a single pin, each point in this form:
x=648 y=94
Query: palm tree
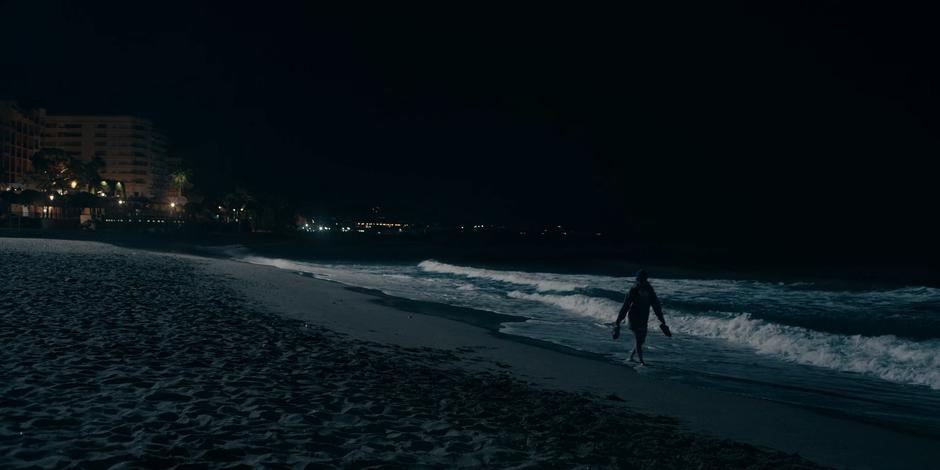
x=88 y=174
x=180 y=179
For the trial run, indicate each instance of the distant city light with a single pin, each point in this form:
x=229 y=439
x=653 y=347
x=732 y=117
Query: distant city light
x=51 y=197
x=73 y=184
x=172 y=204
x=379 y=224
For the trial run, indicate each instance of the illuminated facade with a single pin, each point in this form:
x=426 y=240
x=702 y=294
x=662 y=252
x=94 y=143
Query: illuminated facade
x=133 y=152
x=20 y=138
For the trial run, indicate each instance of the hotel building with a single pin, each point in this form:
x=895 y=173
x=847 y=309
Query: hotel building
x=133 y=152
x=20 y=139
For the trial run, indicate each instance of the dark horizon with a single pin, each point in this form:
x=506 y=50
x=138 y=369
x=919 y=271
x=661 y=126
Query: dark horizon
x=757 y=125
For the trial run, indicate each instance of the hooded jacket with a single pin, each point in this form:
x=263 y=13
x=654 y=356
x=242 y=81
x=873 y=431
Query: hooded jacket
x=637 y=306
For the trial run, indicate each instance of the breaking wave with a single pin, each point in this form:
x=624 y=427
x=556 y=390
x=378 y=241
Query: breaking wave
x=887 y=357
x=543 y=282
x=594 y=307
x=884 y=356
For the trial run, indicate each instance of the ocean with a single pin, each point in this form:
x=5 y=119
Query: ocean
x=871 y=354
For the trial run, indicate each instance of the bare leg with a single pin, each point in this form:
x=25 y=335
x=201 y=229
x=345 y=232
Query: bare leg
x=638 y=350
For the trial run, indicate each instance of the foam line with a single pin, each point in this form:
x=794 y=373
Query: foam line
x=543 y=282
x=887 y=357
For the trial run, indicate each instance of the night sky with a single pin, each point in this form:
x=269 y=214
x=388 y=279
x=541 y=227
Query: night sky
x=813 y=122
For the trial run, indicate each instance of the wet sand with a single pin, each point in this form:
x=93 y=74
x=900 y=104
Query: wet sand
x=112 y=356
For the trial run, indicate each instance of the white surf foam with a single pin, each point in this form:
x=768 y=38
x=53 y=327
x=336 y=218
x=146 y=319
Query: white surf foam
x=285 y=264
x=540 y=281
x=887 y=357
x=594 y=307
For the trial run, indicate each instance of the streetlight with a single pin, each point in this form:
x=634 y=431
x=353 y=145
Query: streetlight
x=48 y=210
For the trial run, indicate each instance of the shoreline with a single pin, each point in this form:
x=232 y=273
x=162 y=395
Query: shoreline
x=834 y=440
x=133 y=358
x=491 y=322
x=292 y=326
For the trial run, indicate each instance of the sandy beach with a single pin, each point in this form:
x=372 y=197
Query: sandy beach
x=114 y=357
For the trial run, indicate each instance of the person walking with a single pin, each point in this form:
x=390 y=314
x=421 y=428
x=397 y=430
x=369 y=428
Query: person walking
x=636 y=309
